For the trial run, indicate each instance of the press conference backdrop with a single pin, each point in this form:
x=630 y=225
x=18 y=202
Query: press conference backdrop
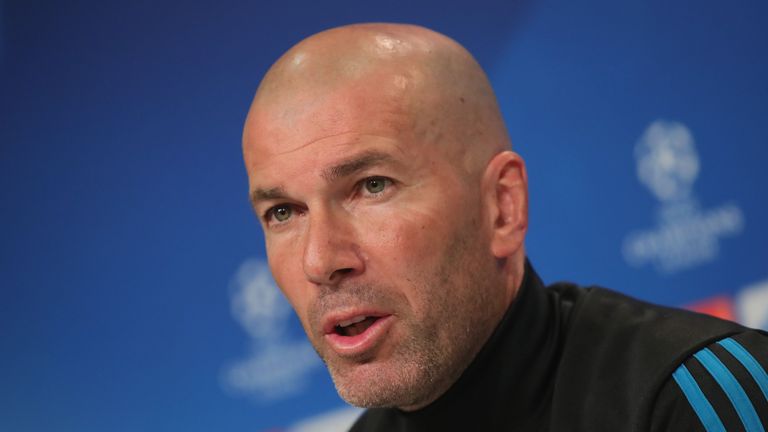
x=134 y=294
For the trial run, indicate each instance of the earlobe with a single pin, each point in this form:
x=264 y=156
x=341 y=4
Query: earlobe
x=506 y=189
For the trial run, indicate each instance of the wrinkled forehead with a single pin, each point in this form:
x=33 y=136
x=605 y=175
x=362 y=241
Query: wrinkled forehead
x=379 y=106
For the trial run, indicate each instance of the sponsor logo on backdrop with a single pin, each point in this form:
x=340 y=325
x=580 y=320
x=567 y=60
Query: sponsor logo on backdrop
x=720 y=306
x=279 y=363
x=748 y=306
x=685 y=235
x=752 y=305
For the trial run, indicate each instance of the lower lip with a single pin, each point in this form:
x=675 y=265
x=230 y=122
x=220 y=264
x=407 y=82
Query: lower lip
x=352 y=346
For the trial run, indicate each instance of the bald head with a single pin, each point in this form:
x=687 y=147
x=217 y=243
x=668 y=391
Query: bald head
x=427 y=84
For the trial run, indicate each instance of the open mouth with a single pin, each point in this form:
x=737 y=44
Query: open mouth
x=354 y=336
x=354 y=326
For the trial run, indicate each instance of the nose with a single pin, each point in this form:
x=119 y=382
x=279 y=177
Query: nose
x=331 y=252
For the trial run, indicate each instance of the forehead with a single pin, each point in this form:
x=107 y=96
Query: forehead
x=314 y=125
x=390 y=97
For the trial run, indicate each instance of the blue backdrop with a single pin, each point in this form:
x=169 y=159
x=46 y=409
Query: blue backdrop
x=133 y=291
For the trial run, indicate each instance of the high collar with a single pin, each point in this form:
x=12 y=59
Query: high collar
x=509 y=381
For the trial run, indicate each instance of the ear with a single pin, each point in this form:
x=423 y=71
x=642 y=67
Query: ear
x=505 y=189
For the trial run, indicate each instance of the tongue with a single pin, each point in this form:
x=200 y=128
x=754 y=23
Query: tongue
x=357 y=328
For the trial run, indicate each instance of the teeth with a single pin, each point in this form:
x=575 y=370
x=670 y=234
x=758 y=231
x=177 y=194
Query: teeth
x=349 y=322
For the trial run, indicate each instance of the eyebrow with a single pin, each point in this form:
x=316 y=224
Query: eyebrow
x=343 y=169
x=275 y=193
x=355 y=165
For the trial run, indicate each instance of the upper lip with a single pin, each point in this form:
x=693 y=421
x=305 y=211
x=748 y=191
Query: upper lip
x=332 y=319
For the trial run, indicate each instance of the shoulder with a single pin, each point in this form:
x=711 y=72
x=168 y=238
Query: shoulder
x=722 y=386
x=623 y=350
x=656 y=332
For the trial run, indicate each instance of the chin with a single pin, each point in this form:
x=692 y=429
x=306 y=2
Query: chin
x=377 y=385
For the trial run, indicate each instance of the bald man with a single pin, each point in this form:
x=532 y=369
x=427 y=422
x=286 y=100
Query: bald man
x=395 y=212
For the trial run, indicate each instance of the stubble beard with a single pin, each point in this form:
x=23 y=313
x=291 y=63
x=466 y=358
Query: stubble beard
x=439 y=346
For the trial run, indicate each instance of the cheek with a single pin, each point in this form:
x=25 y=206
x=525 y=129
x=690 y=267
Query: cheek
x=401 y=236
x=286 y=270
x=405 y=254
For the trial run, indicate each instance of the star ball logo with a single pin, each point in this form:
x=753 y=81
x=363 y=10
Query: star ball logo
x=279 y=364
x=685 y=235
x=667 y=162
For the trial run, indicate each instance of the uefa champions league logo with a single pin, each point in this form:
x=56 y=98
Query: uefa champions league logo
x=685 y=235
x=279 y=364
x=667 y=162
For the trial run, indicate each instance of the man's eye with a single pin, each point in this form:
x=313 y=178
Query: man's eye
x=376 y=185
x=281 y=213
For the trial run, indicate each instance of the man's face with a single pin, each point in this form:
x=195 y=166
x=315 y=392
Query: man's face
x=378 y=241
